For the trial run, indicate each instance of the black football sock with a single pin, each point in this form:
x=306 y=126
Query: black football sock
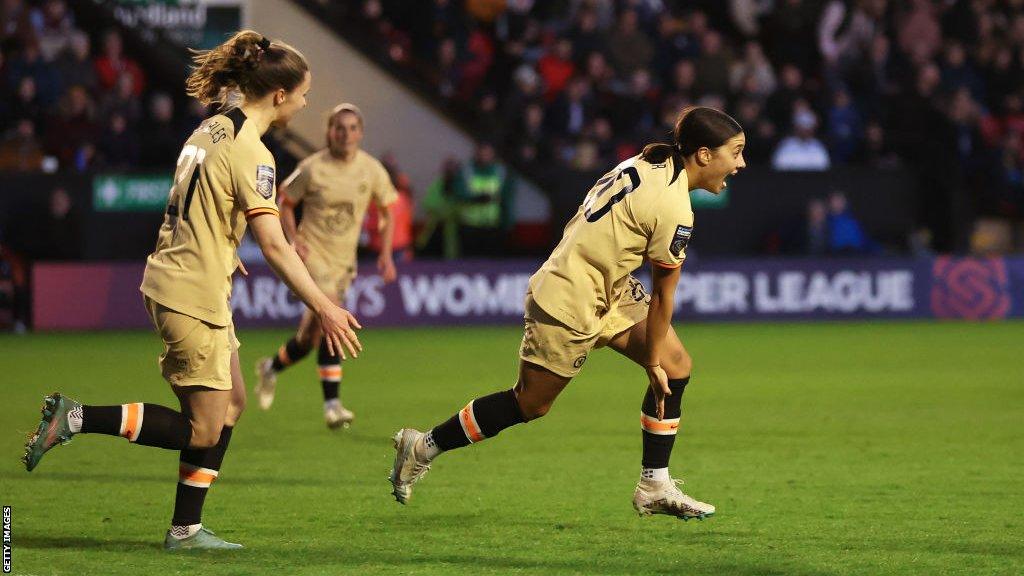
x=482 y=418
x=660 y=435
x=146 y=424
x=289 y=353
x=330 y=372
x=197 y=469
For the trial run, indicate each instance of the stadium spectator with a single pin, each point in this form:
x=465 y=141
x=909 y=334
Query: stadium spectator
x=780 y=103
x=20 y=150
x=29 y=63
x=628 y=45
x=713 y=65
x=74 y=63
x=163 y=135
x=816 y=236
x=73 y=127
x=402 y=211
x=527 y=139
x=489 y=195
x=442 y=202
x=801 y=150
x=586 y=37
x=918 y=28
x=845 y=233
x=572 y=111
x=877 y=153
x=54 y=26
x=59 y=234
x=556 y=68
x=113 y=62
x=760 y=131
x=118 y=146
x=24 y=104
x=122 y=100
x=15 y=24
x=753 y=74
x=844 y=128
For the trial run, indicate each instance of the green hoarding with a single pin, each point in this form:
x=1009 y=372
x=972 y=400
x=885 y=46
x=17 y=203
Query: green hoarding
x=130 y=193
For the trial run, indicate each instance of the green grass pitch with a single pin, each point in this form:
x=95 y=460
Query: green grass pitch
x=864 y=448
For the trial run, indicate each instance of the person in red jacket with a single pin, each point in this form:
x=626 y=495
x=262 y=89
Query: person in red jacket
x=113 y=63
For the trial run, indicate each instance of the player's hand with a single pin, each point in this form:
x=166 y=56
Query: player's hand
x=241 y=268
x=339 y=329
x=659 y=385
x=301 y=248
x=386 y=267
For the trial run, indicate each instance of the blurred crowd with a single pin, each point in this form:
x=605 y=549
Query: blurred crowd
x=77 y=101
x=935 y=84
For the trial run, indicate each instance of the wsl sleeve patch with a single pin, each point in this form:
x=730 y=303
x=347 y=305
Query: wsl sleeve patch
x=680 y=239
x=265 y=180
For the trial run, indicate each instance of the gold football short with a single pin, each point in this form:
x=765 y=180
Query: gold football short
x=332 y=280
x=195 y=353
x=549 y=343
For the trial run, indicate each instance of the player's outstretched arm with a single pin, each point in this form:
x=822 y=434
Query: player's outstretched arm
x=659 y=322
x=337 y=323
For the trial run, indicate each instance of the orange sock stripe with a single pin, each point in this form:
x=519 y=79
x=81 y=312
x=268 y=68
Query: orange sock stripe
x=195 y=476
x=330 y=373
x=282 y=355
x=469 y=425
x=664 y=427
x=131 y=420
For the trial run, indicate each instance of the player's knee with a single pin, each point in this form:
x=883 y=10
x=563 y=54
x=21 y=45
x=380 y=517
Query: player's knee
x=204 y=436
x=534 y=410
x=235 y=409
x=679 y=364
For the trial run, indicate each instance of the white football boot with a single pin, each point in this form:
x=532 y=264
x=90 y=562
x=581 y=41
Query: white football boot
x=266 y=382
x=408 y=468
x=337 y=416
x=654 y=497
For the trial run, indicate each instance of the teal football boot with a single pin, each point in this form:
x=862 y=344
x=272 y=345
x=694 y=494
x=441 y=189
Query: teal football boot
x=53 y=429
x=204 y=539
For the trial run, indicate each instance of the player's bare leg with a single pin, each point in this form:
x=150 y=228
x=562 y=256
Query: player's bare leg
x=657 y=492
x=216 y=412
x=482 y=418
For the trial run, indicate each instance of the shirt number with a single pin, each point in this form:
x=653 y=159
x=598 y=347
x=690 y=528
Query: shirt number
x=189 y=161
x=629 y=180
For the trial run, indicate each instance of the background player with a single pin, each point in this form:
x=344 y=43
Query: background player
x=335 y=187
x=583 y=297
x=224 y=179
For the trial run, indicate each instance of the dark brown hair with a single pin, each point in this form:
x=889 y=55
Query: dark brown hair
x=696 y=127
x=247 y=63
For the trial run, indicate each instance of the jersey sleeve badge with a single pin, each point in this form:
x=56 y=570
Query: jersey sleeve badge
x=265 y=180
x=680 y=239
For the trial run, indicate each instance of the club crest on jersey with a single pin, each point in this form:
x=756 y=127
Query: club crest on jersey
x=680 y=239
x=265 y=180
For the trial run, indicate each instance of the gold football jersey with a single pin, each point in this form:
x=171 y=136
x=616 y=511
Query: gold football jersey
x=638 y=211
x=225 y=176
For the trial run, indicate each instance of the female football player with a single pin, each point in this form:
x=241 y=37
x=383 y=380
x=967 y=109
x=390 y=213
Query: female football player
x=224 y=181
x=335 y=187
x=583 y=297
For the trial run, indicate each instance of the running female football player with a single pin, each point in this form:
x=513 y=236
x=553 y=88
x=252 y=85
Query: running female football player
x=584 y=297
x=334 y=186
x=224 y=181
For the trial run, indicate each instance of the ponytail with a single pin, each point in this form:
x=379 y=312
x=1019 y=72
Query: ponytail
x=248 y=64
